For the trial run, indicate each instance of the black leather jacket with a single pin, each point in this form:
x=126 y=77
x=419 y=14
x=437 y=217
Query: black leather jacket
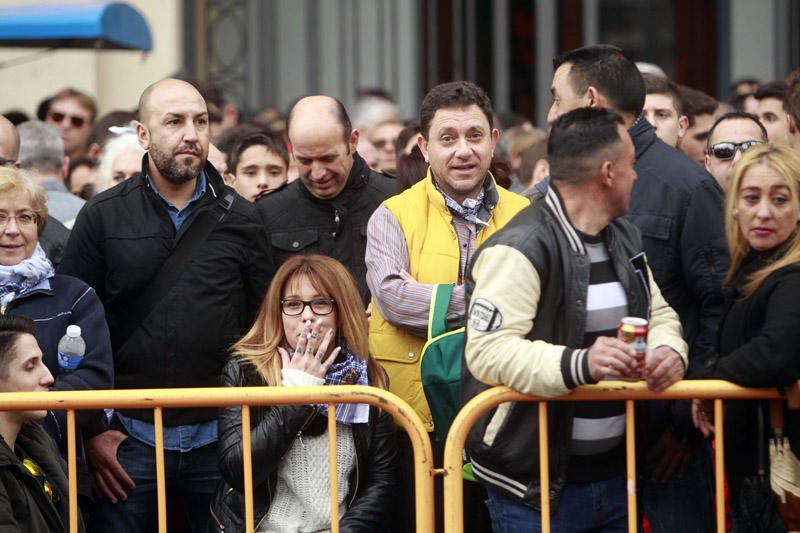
x=274 y=430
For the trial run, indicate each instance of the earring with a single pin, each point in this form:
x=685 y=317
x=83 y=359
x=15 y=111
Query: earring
x=735 y=212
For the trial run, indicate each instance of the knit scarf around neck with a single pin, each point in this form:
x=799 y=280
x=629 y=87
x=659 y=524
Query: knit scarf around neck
x=17 y=279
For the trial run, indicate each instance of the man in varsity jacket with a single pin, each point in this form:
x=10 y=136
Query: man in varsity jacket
x=545 y=296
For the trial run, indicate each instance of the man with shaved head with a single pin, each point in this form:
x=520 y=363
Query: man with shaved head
x=181 y=263
x=325 y=211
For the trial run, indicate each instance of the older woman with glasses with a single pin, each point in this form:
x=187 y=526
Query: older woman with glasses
x=29 y=286
x=759 y=339
x=311 y=330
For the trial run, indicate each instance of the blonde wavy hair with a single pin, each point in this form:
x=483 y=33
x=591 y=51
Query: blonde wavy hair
x=259 y=346
x=785 y=162
x=14 y=181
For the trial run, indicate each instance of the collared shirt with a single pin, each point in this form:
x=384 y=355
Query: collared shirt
x=179 y=216
x=190 y=436
x=408 y=304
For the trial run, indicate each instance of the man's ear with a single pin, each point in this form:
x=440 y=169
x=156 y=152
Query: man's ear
x=495 y=139
x=229 y=178
x=422 y=144
x=707 y=162
x=683 y=125
x=792 y=124
x=143 y=136
x=594 y=98
x=353 y=141
x=606 y=172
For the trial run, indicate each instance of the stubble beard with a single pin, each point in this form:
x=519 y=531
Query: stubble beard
x=172 y=170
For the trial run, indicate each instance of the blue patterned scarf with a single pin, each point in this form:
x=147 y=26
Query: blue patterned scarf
x=468 y=210
x=348 y=369
x=15 y=280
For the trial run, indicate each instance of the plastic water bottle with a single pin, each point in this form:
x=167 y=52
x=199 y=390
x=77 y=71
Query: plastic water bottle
x=71 y=349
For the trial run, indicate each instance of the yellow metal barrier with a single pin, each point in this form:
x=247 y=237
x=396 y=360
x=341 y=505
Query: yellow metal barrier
x=158 y=399
x=605 y=391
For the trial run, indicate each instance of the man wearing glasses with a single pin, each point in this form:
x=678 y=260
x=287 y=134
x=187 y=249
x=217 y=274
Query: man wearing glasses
x=731 y=134
x=73 y=113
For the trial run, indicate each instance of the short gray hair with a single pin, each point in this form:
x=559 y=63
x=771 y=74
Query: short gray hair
x=40 y=147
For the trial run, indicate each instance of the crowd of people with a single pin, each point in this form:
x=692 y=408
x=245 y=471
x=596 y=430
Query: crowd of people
x=197 y=247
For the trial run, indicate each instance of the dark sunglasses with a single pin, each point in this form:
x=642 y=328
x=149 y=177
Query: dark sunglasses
x=7 y=162
x=57 y=117
x=726 y=150
x=380 y=143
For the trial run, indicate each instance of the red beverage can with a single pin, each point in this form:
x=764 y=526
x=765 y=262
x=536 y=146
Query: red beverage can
x=633 y=330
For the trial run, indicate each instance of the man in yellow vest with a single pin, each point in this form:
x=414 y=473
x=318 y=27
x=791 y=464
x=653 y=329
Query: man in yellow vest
x=428 y=234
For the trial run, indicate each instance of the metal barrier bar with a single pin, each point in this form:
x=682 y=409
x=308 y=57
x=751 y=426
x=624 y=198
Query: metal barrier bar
x=630 y=464
x=719 y=465
x=544 y=467
x=247 y=461
x=605 y=391
x=333 y=467
x=72 y=472
x=161 y=490
x=402 y=413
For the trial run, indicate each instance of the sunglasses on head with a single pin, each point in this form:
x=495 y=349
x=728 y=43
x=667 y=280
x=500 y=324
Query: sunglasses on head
x=726 y=150
x=76 y=121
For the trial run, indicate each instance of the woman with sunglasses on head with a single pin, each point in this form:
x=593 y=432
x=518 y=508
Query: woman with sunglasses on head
x=311 y=330
x=759 y=339
x=33 y=477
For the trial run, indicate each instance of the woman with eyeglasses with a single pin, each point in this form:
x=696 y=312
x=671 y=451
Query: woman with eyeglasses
x=29 y=286
x=33 y=476
x=311 y=330
x=759 y=339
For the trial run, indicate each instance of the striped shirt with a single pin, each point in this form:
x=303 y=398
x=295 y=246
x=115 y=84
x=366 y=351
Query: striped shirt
x=598 y=427
x=402 y=303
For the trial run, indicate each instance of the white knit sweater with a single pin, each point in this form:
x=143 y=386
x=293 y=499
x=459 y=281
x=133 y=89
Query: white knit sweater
x=302 y=497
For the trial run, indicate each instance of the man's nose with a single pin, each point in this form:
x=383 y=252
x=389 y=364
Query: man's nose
x=190 y=132
x=317 y=169
x=47 y=377
x=552 y=114
x=462 y=147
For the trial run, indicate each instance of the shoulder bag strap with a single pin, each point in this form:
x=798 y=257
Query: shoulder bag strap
x=440 y=301
x=168 y=274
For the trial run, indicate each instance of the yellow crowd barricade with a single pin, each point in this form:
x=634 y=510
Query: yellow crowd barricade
x=605 y=391
x=159 y=399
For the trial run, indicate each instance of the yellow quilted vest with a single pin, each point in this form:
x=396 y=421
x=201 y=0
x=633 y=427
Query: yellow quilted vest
x=434 y=258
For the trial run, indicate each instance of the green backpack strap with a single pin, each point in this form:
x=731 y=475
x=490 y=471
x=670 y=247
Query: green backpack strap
x=440 y=301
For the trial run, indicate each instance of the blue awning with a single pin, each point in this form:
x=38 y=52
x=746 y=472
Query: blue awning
x=110 y=25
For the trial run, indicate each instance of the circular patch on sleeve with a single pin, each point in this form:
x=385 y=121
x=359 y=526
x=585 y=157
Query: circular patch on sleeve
x=484 y=315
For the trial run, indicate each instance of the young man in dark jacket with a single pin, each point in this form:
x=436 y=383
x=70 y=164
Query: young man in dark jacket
x=118 y=245
x=33 y=476
x=677 y=207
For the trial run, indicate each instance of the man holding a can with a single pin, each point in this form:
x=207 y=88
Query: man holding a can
x=546 y=296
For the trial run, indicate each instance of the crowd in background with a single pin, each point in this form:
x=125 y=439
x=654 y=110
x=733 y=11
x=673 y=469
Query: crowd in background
x=198 y=244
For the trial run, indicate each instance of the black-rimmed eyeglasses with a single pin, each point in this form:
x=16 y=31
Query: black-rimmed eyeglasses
x=320 y=306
